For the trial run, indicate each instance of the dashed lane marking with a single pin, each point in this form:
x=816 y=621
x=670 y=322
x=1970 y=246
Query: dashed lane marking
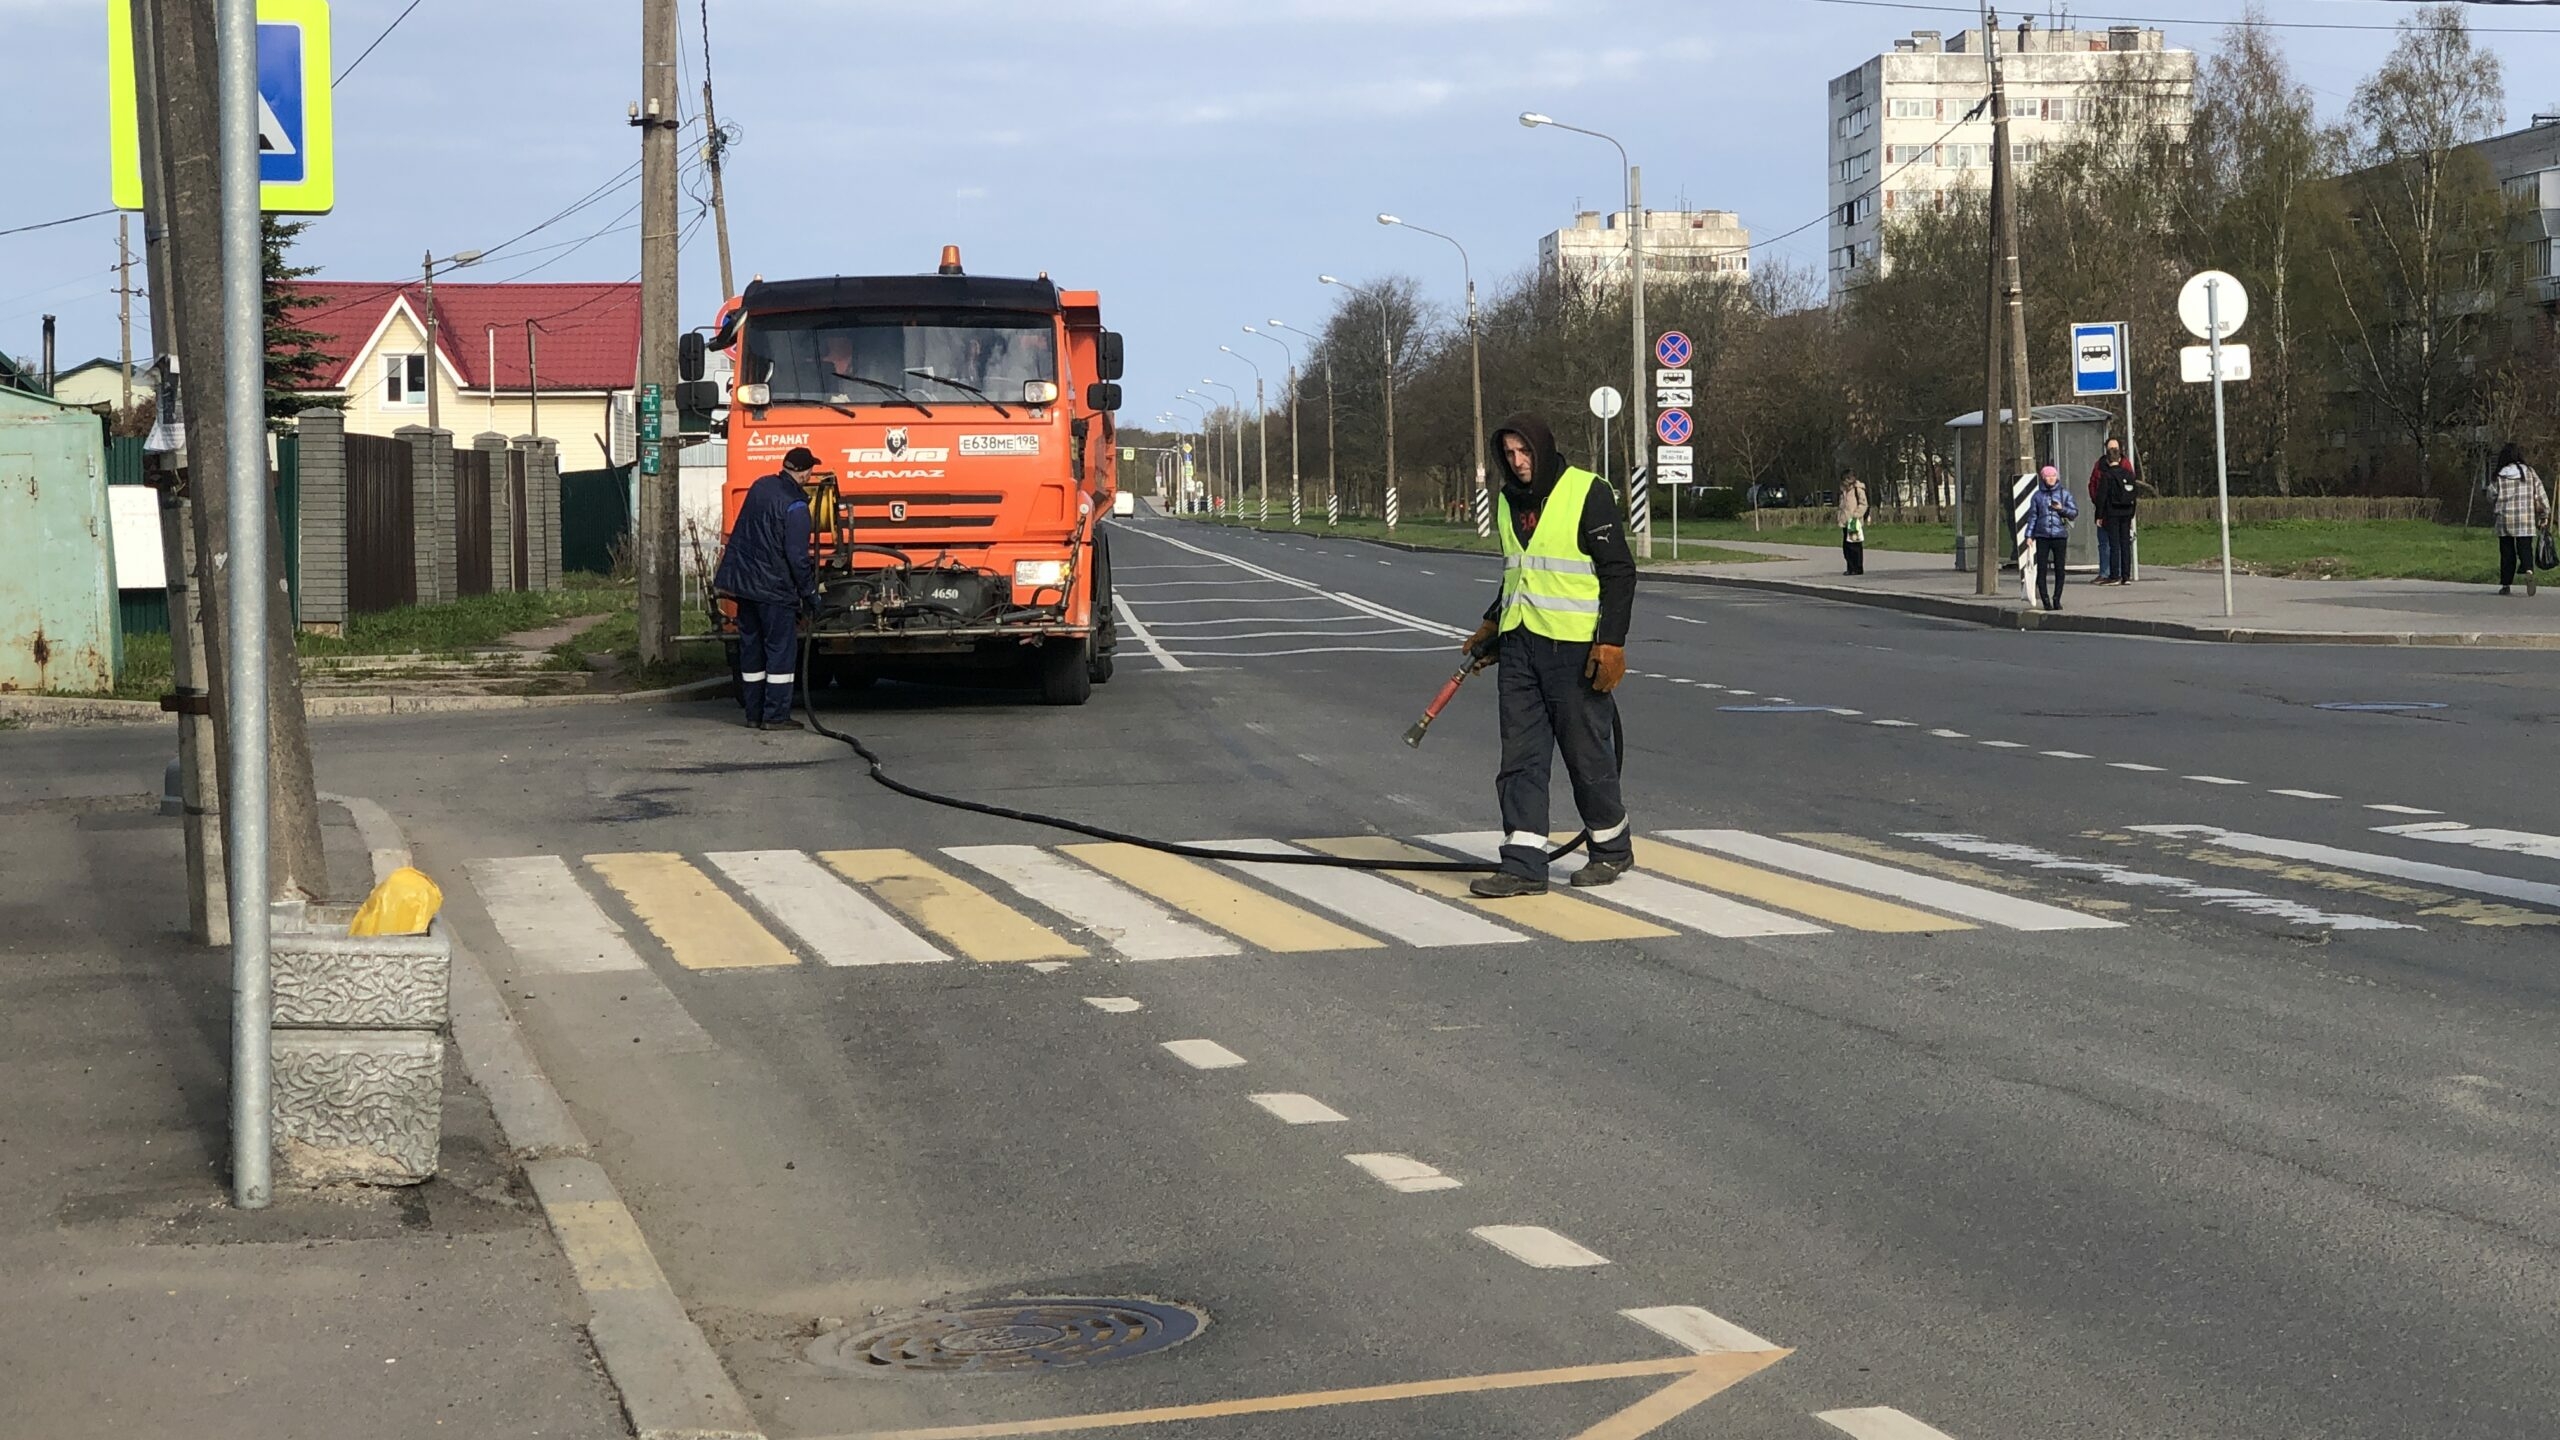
x=2305 y=794
x=1539 y=1246
x=966 y=917
x=695 y=919
x=1114 y=1004
x=1295 y=1109
x=1879 y=1423
x=1951 y=734
x=832 y=920
x=553 y=926
x=1131 y=924
x=2214 y=780
x=1203 y=1054
x=1652 y=895
x=2062 y=754
x=2402 y=810
x=1562 y=916
x=1970 y=901
x=1403 y=1173
x=1242 y=911
x=1390 y=910
x=2130 y=765
x=1700 y=1332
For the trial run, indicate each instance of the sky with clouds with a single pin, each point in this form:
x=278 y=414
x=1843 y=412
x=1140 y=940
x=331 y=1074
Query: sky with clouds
x=1197 y=161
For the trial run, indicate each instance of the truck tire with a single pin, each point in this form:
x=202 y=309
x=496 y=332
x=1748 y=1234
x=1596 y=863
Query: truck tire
x=1066 y=672
x=1106 y=621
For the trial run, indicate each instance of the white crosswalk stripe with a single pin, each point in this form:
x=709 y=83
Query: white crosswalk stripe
x=1971 y=901
x=831 y=920
x=1130 y=923
x=1391 y=910
x=1666 y=900
x=1880 y=1423
x=2531 y=892
x=547 y=919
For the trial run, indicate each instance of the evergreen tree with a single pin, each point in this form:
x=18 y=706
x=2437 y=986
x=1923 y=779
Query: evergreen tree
x=296 y=366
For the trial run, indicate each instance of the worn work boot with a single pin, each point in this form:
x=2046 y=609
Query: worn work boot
x=1505 y=886
x=1598 y=872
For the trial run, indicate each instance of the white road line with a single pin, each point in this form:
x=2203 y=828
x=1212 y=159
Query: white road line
x=1300 y=1109
x=1687 y=619
x=1134 y=569
x=1844 y=710
x=1729 y=692
x=2063 y=754
x=1880 y=1423
x=2532 y=892
x=2214 y=780
x=2129 y=765
x=1951 y=734
x=2003 y=745
x=1194 y=584
x=1114 y=1004
x=1701 y=1332
x=1239 y=600
x=1350 y=618
x=1896 y=724
x=1204 y=1054
x=1380 y=905
x=2402 y=810
x=1313 y=650
x=1300 y=634
x=2452 y=832
x=554 y=927
x=2305 y=794
x=832 y=920
x=1146 y=640
x=1971 y=901
x=1701 y=910
x=1403 y=1173
x=1383 y=612
x=1537 y=1245
x=2230 y=897
x=1130 y=923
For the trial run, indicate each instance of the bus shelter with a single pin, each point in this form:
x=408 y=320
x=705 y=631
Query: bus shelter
x=2069 y=438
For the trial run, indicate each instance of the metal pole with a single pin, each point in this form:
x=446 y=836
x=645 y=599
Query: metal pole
x=1992 y=508
x=533 y=388
x=1297 y=511
x=2124 y=348
x=1387 y=382
x=1483 y=498
x=660 y=587
x=1332 y=481
x=1642 y=424
x=1262 y=447
x=2221 y=450
x=244 y=412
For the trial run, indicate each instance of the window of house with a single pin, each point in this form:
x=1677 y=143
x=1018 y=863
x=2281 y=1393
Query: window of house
x=2084 y=112
x=2023 y=109
x=1965 y=157
x=404 y=379
x=2021 y=153
x=1910 y=154
x=1911 y=109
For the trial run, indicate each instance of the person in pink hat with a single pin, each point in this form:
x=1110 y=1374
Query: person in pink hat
x=2050 y=511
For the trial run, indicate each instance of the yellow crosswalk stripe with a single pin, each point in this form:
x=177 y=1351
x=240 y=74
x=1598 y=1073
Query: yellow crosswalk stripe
x=1561 y=916
x=1822 y=902
x=1231 y=905
x=695 y=919
x=974 y=922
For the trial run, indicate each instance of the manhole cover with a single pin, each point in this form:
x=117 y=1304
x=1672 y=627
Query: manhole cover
x=1012 y=1335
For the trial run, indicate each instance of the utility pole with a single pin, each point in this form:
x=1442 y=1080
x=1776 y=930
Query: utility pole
x=532 y=385
x=713 y=142
x=655 y=116
x=1332 y=479
x=2022 y=433
x=199 y=789
x=1993 y=506
x=427 y=273
x=124 y=312
x=1638 y=499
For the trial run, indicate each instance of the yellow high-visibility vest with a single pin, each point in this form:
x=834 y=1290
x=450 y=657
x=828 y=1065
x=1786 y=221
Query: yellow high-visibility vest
x=1549 y=585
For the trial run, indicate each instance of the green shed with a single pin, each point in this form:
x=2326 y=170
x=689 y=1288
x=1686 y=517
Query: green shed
x=58 y=621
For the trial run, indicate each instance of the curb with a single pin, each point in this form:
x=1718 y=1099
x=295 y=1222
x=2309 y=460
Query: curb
x=672 y=1384
x=56 y=710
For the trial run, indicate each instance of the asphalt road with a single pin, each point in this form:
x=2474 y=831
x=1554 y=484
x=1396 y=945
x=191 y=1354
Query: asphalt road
x=2259 y=1146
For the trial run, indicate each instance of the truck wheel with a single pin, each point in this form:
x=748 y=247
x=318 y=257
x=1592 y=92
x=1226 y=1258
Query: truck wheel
x=1066 y=672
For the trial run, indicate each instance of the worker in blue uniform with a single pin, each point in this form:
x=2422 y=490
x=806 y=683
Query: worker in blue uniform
x=767 y=570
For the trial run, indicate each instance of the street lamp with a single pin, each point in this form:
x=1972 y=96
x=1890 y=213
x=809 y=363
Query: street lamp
x=1261 y=432
x=1639 y=514
x=1235 y=477
x=1190 y=398
x=1297 y=507
x=1475 y=361
x=427 y=268
x=1332 y=481
x=1386 y=383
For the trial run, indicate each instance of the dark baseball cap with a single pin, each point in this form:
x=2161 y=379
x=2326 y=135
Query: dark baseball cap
x=800 y=459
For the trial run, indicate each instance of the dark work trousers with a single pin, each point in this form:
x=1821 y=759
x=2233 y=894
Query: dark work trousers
x=1547 y=705
x=2515 y=557
x=1855 y=552
x=768 y=657
x=2115 y=549
x=2049 y=550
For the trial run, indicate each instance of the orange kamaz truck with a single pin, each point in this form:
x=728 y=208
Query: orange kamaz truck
x=965 y=442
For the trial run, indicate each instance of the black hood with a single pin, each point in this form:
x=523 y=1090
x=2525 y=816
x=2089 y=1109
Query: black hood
x=1529 y=494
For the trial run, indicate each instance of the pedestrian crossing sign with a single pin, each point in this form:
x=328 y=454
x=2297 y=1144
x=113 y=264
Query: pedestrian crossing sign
x=297 y=151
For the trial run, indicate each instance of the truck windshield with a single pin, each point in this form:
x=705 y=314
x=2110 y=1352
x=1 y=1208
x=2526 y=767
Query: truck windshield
x=803 y=355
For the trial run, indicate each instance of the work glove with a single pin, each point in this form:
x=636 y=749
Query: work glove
x=1480 y=642
x=1606 y=667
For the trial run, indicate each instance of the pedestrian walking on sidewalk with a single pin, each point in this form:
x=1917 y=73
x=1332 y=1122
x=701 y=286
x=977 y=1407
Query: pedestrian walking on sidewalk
x=1853 y=522
x=2524 y=512
x=2050 y=511
x=1559 y=626
x=2112 y=500
x=766 y=569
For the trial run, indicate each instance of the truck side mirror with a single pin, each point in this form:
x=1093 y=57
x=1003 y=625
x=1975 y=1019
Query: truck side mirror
x=1103 y=396
x=689 y=355
x=1107 y=356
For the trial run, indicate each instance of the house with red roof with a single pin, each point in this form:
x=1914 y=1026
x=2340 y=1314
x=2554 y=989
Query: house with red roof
x=505 y=354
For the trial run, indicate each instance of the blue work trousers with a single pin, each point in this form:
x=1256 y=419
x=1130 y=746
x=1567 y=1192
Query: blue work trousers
x=1549 y=706
x=768 y=657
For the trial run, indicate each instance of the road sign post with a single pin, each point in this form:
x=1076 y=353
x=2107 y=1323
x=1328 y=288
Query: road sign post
x=2213 y=305
x=1606 y=402
x=2102 y=364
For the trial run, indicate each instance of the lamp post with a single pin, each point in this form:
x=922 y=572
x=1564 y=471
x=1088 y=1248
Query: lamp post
x=1386 y=382
x=1297 y=507
x=1261 y=433
x=427 y=268
x=1332 y=480
x=1475 y=362
x=1188 y=399
x=1639 y=511
x=1235 y=477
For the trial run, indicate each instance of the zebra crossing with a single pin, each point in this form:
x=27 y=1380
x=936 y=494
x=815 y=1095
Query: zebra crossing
x=1044 y=905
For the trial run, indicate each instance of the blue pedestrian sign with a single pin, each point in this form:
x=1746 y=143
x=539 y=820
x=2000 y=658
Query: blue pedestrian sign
x=2098 y=359
x=1672 y=351
x=297 y=171
x=1674 y=427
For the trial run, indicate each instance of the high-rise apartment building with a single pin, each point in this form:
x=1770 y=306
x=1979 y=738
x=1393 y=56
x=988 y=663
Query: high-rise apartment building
x=1900 y=138
x=1678 y=244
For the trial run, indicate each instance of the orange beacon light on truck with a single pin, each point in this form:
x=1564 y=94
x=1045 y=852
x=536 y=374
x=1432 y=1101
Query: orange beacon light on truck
x=950 y=260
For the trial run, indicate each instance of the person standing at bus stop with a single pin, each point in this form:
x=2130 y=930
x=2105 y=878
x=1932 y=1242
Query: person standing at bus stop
x=1560 y=621
x=766 y=569
x=2112 y=500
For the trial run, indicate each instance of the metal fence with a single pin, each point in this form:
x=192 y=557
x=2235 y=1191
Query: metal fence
x=595 y=513
x=471 y=522
x=382 y=561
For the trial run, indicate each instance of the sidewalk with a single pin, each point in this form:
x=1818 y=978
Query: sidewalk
x=140 y=1305
x=2185 y=604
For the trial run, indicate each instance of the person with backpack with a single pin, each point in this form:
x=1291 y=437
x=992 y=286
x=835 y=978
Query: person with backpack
x=2050 y=510
x=2112 y=497
x=2524 y=509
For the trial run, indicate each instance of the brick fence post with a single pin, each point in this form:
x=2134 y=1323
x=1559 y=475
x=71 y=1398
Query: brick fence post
x=501 y=511
x=324 y=521
x=542 y=511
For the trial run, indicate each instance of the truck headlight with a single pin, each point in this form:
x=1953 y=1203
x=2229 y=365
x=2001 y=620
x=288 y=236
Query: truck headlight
x=754 y=397
x=1039 y=392
x=1039 y=574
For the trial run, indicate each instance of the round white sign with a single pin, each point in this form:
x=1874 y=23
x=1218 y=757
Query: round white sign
x=1606 y=402
x=2229 y=301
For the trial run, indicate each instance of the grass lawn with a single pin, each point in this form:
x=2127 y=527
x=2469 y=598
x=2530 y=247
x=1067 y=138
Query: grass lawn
x=2291 y=549
x=1464 y=537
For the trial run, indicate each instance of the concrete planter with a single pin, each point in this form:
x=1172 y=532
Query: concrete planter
x=358 y=1039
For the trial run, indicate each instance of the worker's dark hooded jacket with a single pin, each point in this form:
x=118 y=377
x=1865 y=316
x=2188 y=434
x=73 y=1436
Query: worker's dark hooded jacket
x=767 y=558
x=1603 y=531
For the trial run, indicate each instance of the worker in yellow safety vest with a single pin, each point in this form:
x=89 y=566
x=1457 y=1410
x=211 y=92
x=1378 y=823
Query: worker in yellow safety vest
x=1559 y=627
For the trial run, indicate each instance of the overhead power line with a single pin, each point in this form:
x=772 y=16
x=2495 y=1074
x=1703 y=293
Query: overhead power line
x=377 y=44
x=65 y=220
